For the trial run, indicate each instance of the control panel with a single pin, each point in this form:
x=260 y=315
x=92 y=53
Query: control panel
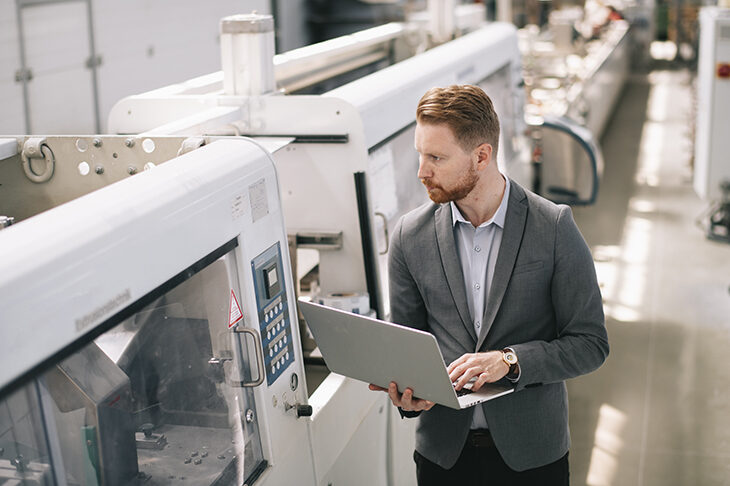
x=273 y=311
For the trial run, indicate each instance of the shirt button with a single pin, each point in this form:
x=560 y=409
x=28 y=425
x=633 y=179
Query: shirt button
x=477 y=249
x=477 y=286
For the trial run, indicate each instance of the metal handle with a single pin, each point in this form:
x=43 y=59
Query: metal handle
x=585 y=140
x=259 y=357
x=385 y=231
x=37 y=148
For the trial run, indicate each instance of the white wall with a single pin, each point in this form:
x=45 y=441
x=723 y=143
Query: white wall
x=143 y=44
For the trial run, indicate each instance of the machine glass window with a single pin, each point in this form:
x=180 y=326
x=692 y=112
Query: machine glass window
x=24 y=444
x=158 y=398
x=394 y=190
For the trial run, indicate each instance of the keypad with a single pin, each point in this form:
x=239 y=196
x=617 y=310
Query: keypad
x=273 y=313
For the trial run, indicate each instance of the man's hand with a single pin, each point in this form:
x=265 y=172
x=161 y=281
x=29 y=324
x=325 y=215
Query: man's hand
x=406 y=401
x=486 y=367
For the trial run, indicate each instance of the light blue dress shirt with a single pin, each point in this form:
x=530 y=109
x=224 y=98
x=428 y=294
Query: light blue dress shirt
x=477 y=249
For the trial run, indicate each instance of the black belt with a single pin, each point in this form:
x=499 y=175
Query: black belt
x=480 y=438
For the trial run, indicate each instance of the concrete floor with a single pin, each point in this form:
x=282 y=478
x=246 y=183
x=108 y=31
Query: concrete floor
x=658 y=411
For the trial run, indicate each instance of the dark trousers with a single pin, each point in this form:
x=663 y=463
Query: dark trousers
x=481 y=465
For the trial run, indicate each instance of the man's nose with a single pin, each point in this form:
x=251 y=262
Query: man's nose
x=424 y=171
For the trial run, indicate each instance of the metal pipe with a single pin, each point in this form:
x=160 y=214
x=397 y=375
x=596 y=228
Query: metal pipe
x=290 y=67
x=93 y=66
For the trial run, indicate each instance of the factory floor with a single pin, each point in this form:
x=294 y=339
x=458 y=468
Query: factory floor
x=658 y=411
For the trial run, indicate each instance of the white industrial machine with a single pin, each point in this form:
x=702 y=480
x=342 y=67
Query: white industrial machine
x=573 y=82
x=712 y=145
x=149 y=330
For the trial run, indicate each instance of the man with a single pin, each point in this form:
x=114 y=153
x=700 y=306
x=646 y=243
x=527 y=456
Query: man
x=505 y=282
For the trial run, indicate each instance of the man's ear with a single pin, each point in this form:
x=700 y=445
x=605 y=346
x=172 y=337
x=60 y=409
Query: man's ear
x=484 y=155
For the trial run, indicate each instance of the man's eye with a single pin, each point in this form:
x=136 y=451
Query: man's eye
x=436 y=157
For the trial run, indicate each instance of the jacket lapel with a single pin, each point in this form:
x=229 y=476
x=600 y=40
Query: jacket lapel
x=451 y=265
x=514 y=228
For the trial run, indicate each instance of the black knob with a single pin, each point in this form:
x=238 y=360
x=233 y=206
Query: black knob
x=146 y=429
x=304 y=410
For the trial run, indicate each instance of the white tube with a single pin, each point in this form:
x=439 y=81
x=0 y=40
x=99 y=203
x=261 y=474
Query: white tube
x=247 y=54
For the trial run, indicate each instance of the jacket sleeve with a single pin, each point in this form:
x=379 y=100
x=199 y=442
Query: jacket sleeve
x=406 y=304
x=581 y=345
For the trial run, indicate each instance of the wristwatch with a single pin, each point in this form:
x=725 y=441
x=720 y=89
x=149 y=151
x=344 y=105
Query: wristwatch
x=510 y=357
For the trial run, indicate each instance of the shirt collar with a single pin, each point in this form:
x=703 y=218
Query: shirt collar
x=499 y=215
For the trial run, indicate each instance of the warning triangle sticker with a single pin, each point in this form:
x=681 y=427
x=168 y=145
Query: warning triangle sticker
x=235 y=314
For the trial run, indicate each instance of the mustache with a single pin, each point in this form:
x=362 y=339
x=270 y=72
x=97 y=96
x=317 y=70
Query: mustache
x=427 y=183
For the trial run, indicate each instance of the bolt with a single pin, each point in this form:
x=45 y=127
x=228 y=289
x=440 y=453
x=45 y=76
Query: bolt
x=221 y=457
x=99 y=169
x=146 y=429
x=188 y=460
x=132 y=170
x=97 y=142
x=194 y=454
x=129 y=142
x=204 y=454
x=19 y=463
x=197 y=461
x=249 y=416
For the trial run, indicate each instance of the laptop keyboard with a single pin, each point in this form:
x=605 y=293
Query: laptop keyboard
x=462 y=392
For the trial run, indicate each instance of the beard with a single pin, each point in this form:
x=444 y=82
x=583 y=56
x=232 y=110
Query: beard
x=442 y=195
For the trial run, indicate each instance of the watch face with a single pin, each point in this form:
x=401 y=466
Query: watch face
x=510 y=358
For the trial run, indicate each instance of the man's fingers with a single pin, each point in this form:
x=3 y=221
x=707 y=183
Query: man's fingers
x=481 y=380
x=453 y=365
x=424 y=405
x=460 y=369
x=467 y=376
x=412 y=404
x=404 y=400
x=407 y=400
x=395 y=397
x=455 y=372
x=457 y=362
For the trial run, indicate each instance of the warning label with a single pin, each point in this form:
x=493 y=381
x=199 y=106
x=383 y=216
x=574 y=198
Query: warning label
x=235 y=314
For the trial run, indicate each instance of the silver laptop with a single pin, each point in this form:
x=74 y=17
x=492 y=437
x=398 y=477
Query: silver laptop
x=379 y=352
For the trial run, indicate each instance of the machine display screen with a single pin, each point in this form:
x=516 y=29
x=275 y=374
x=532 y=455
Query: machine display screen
x=272 y=281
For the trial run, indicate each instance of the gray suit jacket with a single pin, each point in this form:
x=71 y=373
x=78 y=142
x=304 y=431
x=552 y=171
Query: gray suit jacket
x=544 y=302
